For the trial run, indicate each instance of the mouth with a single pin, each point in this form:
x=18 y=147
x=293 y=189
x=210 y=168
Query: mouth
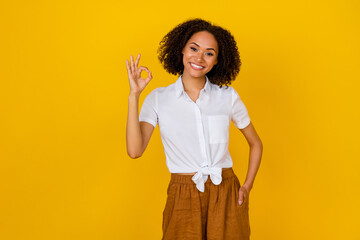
x=196 y=67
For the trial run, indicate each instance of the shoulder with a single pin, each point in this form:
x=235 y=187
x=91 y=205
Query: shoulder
x=161 y=91
x=224 y=90
x=164 y=90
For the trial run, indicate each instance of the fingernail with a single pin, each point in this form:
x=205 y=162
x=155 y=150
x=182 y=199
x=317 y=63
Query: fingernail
x=240 y=202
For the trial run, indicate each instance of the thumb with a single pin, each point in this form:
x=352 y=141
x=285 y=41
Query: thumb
x=148 y=79
x=241 y=197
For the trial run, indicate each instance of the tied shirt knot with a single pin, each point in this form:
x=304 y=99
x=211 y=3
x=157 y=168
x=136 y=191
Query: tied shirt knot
x=202 y=175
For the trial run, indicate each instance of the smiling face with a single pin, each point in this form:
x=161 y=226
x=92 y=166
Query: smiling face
x=200 y=54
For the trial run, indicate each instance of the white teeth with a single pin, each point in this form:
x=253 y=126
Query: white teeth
x=197 y=66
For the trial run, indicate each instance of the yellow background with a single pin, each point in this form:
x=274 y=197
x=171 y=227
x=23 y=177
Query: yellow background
x=64 y=170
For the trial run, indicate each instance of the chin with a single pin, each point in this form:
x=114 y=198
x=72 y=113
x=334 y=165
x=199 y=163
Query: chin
x=195 y=73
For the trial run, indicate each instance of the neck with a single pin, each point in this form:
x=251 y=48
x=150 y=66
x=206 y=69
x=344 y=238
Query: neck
x=193 y=83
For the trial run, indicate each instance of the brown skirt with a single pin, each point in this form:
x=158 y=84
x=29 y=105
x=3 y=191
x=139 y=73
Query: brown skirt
x=214 y=214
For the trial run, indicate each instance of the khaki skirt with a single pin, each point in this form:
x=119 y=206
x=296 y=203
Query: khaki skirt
x=214 y=214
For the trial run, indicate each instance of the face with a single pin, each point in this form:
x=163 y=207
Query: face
x=200 y=54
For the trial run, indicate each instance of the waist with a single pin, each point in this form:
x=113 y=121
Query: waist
x=195 y=172
x=187 y=179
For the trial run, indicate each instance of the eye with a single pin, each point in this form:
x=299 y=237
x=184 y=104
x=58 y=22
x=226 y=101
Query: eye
x=192 y=48
x=211 y=54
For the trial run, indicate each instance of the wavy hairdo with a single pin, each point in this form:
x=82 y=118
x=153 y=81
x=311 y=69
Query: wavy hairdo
x=228 y=65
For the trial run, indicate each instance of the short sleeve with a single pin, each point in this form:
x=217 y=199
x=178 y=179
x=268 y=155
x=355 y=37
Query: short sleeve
x=148 y=112
x=239 y=114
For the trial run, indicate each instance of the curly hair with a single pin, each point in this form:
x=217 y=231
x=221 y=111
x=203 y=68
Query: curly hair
x=170 y=48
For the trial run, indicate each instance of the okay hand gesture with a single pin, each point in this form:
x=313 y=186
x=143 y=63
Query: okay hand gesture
x=137 y=83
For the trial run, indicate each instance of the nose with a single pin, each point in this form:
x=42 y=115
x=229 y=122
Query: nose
x=199 y=56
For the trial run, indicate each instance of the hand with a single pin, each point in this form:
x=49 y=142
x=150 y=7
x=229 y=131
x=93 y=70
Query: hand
x=137 y=83
x=244 y=192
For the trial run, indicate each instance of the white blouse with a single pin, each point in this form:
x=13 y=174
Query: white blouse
x=195 y=135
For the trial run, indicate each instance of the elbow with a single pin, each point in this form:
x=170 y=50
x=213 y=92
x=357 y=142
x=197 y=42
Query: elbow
x=134 y=150
x=257 y=144
x=134 y=154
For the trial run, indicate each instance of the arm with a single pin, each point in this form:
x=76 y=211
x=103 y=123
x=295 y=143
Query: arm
x=256 y=149
x=137 y=133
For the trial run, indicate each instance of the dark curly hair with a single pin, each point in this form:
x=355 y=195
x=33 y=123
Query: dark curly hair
x=228 y=65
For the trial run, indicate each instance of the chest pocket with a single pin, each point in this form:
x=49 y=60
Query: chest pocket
x=218 y=128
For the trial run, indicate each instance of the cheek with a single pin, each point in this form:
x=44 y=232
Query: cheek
x=184 y=58
x=215 y=61
x=212 y=61
x=187 y=56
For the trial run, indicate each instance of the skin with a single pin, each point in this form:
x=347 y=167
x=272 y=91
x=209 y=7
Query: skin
x=200 y=49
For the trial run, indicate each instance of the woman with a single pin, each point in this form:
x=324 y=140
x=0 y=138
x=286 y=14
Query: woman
x=204 y=198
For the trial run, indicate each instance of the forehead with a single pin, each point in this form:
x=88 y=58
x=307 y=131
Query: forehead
x=204 y=39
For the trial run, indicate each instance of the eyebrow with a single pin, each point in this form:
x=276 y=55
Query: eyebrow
x=199 y=46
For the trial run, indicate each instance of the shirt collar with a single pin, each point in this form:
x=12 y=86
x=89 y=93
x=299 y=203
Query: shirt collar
x=180 y=87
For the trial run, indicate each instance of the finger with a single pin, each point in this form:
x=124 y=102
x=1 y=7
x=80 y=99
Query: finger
x=148 y=79
x=137 y=61
x=246 y=193
x=143 y=68
x=240 y=202
x=127 y=67
x=242 y=195
x=132 y=63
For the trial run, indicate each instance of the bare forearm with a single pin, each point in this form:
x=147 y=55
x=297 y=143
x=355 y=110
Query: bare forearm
x=133 y=130
x=254 y=163
x=134 y=139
